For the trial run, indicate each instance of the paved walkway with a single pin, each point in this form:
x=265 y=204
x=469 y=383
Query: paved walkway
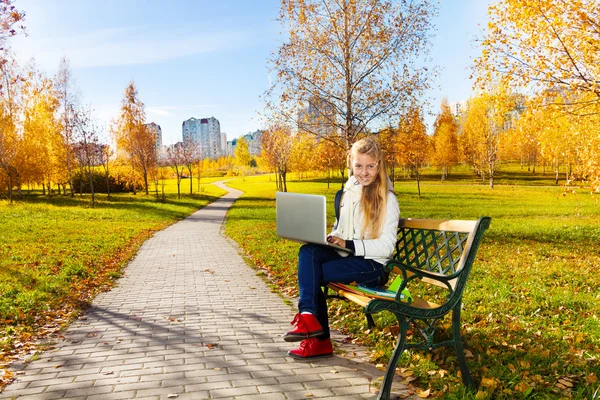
x=189 y=320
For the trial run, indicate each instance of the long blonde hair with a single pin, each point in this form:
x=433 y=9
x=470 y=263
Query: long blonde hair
x=374 y=196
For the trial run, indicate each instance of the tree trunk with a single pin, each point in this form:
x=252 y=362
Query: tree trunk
x=284 y=179
x=10 y=188
x=91 y=176
x=146 y=180
x=107 y=186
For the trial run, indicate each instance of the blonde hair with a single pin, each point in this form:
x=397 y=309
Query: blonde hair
x=374 y=196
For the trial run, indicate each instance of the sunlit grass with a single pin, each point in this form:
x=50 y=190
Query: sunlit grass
x=56 y=252
x=532 y=304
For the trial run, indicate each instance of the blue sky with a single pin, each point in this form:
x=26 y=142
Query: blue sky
x=199 y=58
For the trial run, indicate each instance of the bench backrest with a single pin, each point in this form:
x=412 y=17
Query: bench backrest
x=445 y=248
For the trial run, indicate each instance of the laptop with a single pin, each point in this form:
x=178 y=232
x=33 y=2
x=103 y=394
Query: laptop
x=303 y=218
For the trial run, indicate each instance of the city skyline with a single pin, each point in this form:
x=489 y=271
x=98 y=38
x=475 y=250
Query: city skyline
x=200 y=59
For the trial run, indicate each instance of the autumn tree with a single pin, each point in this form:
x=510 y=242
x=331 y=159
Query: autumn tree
x=175 y=161
x=105 y=156
x=242 y=155
x=10 y=142
x=354 y=61
x=302 y=157
x=445 y=140
x=86 y=145
x=135 y=142
x=41 y=132
x=480 y=136
x=189 y=155
x=9 y=17
x=330 y=157
x=388 y=140
x=548 y=47
x=10 y=106
x=276 y=145
x=67 y=98
x=414 y=143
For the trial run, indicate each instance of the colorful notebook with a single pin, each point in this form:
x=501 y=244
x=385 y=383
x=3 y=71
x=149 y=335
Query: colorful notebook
x=388 y=293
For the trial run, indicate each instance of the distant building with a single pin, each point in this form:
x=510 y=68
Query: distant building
x=317 y=118
x=253 y=140
x=156 y=129
x=457 y=109
x=205 y=133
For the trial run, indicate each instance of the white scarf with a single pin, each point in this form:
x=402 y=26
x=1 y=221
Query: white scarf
x=352 y=196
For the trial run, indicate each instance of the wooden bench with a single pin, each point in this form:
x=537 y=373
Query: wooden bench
x=432 y=261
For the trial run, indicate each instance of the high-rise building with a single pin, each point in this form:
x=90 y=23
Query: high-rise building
x=318 y=118
x=253 y=140
x=205 y=133
x=156 y=129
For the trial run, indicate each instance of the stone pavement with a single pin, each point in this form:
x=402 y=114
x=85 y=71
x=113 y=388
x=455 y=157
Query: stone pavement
x=188 y=320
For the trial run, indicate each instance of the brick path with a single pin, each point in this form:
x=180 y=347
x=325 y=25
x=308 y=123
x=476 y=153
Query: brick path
x=189 y=320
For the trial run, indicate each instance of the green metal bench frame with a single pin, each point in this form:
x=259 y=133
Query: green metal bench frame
x=435 y=252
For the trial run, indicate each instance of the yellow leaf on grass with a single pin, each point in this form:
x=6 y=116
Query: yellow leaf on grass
x=522 y=387
x=424 y=394
x=566 y=382
x=591 y=378
x=488 y=382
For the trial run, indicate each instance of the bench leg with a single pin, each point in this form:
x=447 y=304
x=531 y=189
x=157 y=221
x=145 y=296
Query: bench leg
x=390 y=372
x=370 y=322
x=458 y=346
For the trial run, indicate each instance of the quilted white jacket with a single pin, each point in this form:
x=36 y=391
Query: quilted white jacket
x=347 y=228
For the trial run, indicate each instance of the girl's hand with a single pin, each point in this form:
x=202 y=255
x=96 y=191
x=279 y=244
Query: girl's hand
x=337 y=241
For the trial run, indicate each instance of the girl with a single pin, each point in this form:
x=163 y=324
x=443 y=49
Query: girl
x=368 y=226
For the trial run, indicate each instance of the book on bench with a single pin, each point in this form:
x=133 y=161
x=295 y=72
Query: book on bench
x=386 y=293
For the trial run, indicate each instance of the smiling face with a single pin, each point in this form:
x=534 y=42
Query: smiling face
x=364 y=168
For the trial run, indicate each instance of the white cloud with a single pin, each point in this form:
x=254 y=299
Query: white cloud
x=123 y=46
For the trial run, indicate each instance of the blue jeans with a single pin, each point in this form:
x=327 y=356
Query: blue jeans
x=319 y=265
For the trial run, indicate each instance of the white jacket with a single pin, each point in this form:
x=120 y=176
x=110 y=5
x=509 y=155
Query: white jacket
x=349 y=225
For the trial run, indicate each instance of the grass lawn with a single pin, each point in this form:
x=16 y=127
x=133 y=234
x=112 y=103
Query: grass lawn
x=532 y=304
x=56 y=253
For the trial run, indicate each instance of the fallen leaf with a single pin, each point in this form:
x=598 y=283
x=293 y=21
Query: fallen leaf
x=424 y=394
x=308 y=395
x=333 y=371
x=566 y=382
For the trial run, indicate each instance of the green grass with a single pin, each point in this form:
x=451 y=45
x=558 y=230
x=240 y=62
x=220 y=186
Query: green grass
x=57 y=253
x=532 y=305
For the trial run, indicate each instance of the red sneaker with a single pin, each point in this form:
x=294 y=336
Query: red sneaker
x=311 y=348
x=307 y=326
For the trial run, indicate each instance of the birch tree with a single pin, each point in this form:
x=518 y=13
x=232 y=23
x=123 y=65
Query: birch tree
x=135 y=142
x=445 y=140
x=549 y=48
x=415 y=145
x=67 y=97
x=354 y=61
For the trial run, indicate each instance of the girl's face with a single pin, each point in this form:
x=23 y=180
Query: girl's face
x=364 y=168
